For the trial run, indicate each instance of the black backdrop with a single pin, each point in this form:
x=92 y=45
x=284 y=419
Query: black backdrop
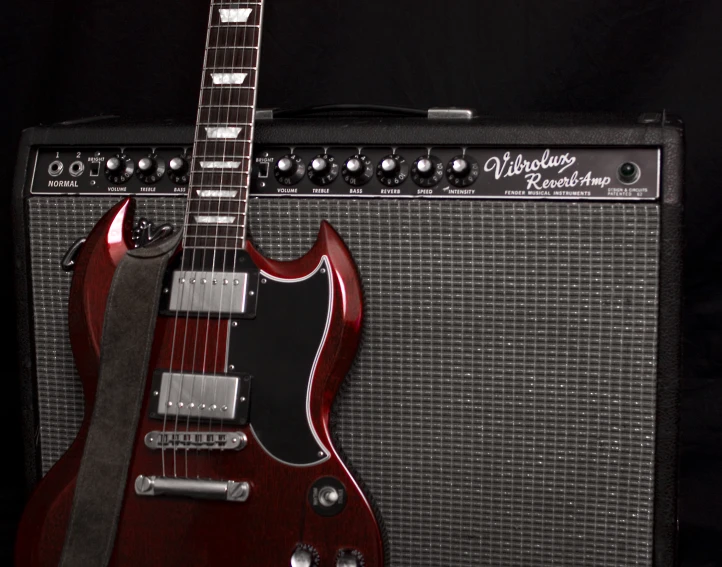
x=68 y=59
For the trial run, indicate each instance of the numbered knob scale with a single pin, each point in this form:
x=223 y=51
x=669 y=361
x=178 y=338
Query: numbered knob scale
x=427 y=171
x=393 y=170
x=290 y=169
x=119 y=168
x=323 y=169
x=150 y=169
x=358 y=170
x=462 y=171
x=178 y=169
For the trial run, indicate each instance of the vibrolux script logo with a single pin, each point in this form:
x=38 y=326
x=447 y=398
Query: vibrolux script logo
x=534 y=170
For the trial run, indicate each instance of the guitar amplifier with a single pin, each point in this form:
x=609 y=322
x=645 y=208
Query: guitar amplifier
x=514 y=399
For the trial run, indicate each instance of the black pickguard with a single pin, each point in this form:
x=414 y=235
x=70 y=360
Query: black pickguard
x=278 y=348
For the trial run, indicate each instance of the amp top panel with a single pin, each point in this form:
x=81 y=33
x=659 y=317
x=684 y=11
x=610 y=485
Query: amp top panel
x=446 y=172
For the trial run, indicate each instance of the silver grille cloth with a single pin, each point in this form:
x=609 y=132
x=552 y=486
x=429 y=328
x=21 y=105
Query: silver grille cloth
x=502 y=407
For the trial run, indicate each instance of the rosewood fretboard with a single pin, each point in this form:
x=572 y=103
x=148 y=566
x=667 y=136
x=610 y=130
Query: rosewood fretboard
x=221 y=165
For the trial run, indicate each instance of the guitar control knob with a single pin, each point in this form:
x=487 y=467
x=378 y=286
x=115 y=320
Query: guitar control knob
x=150 y=169
x=119 y=168
x=290 y=169
x=305 y=556
x=323 y=170
x=462 y=171
x=349 y=559
x=393 y=170
x=427 y=171
x=357 y=170
x=178 y=170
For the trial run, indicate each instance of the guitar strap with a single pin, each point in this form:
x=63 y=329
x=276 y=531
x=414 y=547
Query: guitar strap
x=128 y=331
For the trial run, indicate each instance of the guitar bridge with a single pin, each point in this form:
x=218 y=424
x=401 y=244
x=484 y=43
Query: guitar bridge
x=206 y=441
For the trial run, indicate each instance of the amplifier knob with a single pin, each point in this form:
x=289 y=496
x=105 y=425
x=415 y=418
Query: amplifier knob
x=427 y=171
x=290 y=169
x=357 y=170
x=119 y=168
x=462 y=171
x=324 y=169
x=393 y=170
x=150 y=169
x=178 y=169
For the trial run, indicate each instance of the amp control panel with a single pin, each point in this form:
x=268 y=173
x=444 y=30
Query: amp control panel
x=610 y=173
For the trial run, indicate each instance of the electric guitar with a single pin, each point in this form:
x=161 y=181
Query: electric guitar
x=233 y=462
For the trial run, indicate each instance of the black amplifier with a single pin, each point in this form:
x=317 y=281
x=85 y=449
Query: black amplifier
x=514 y=401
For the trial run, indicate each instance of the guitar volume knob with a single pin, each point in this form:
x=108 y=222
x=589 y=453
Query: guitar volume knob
x=305 y=556
x=350 y=558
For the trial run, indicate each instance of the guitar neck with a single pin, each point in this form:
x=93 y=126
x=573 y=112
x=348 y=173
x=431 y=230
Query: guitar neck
x=223 y=146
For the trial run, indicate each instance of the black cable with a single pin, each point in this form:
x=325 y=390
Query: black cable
x=331 y=108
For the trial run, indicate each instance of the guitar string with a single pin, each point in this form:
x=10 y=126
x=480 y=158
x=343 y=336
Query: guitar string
x=213 y=260
x=232 y=69
x=184 y=259
x=187 y=267
x=247 y=143
x=202 y=406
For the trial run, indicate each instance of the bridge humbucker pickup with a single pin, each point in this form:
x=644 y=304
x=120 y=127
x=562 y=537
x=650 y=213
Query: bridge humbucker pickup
x=201 y=440
x=206 y=397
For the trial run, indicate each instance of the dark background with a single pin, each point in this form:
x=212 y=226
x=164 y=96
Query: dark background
x=69 y=59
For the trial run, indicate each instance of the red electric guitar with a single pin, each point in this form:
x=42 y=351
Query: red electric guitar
x=233 y=462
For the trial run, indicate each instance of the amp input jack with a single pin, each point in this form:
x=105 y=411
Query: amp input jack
x=55 y=168
x=77 y=168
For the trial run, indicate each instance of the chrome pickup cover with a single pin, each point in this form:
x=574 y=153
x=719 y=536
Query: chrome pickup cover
x=201 y=396
x=207 y=441
x=209 y=292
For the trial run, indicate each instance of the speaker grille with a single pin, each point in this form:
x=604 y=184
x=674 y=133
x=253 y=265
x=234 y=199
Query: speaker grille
x=502 y=407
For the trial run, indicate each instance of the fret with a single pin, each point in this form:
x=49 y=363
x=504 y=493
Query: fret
x=216 y=106
x=236 y=115
x=209 y=234
x=241 y=58
x=207 y=243
x=227 y=97
x=230 y=87
x=219 y=177
x=216 y=207
x=223 y=150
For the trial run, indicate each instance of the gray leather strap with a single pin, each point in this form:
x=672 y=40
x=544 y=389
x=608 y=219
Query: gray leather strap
x=128 y=330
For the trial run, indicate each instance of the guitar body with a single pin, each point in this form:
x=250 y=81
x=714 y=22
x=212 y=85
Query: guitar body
x=297 y=349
